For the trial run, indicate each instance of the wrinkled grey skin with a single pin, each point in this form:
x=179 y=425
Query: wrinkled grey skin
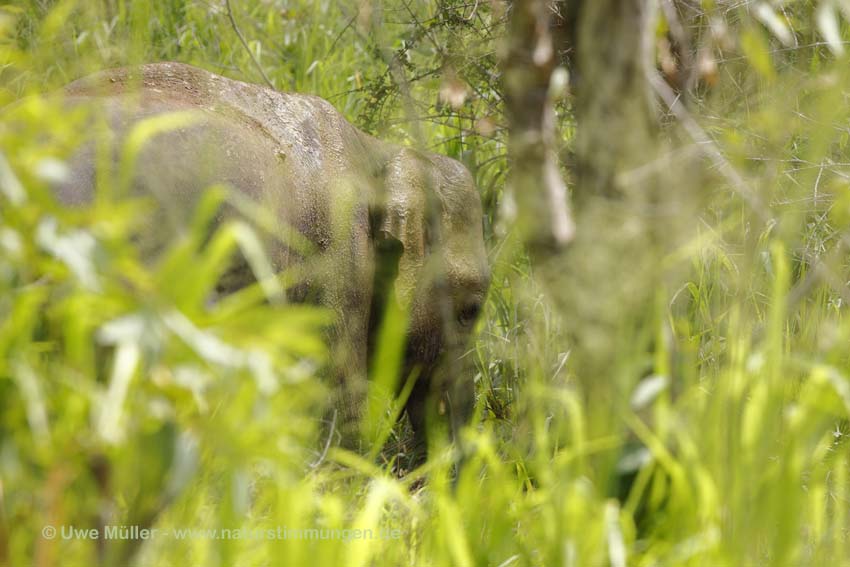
x=363 y=204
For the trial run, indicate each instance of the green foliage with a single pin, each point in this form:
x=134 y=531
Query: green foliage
x=127 y=399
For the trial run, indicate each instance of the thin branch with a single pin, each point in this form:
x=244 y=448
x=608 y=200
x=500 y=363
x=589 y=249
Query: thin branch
x=472 y=13
x=324 y=454
x=342 y=33
x=708 y=146
x=245 y=44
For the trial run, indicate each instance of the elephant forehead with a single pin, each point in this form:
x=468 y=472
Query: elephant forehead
x=456 y=190
x=464 y=251
x=461 y=207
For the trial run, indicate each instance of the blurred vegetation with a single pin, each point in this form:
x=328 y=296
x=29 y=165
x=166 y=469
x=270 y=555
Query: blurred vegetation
x=715 y=434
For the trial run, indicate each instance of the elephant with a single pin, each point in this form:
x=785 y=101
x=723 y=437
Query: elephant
x=383 y=222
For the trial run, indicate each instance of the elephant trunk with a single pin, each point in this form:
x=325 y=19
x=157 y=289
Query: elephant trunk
x=445 y=389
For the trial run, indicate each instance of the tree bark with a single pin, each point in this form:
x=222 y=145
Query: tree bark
x=613 y=281
x=617 y=124
x=613 y=262
x=535 y=184
x=603 y=280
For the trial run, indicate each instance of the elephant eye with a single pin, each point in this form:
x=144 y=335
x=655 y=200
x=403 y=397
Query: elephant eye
x=469 y=313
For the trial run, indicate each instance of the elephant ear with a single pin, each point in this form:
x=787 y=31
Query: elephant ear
x=402 y=221
x=409 y=178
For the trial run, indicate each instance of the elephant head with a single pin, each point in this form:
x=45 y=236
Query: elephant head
x=432 y=220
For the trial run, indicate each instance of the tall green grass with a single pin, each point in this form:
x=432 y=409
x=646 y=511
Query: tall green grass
x=719 y=437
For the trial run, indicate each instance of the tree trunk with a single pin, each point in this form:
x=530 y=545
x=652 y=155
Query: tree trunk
x=613 y=262
x=606 y=282
x=535 y=184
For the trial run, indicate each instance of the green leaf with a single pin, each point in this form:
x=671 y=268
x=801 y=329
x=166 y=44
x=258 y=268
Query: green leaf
x=757 y=50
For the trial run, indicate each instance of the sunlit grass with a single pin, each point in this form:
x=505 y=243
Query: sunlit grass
x=717 y=439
